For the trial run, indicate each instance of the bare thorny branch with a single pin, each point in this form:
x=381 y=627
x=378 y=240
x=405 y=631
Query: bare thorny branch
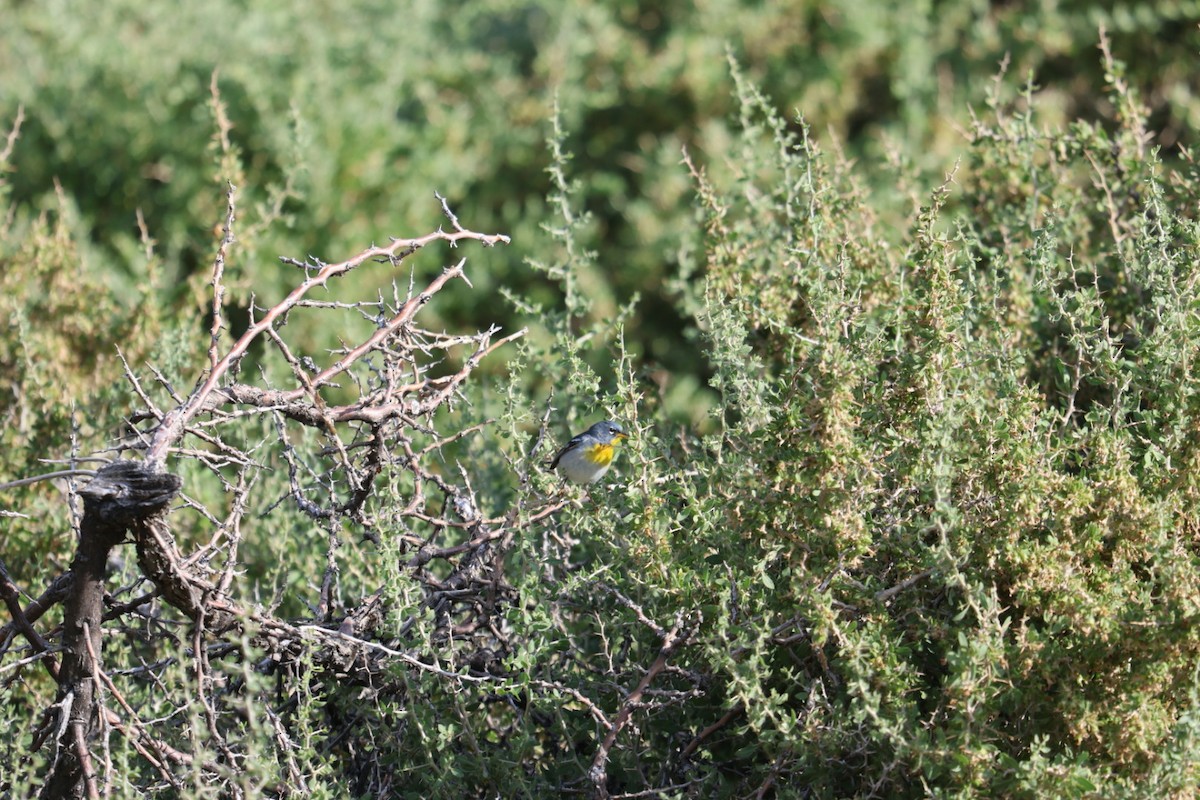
x=389 y=428
x=173 y=424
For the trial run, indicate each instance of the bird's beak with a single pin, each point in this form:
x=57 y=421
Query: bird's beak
x=621 y=437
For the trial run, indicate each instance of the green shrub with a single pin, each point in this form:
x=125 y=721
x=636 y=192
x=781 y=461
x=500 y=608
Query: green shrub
x=911 y=508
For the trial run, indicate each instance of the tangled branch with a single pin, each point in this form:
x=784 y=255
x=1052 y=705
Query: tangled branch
x=383 y=423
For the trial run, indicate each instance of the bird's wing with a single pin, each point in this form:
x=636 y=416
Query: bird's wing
x=571 y=445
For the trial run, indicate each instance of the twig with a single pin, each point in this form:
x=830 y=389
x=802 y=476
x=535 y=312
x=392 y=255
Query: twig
x=583 y=699
x=636 y=609
x=13 y=133
x=287 y=751
x=85 y=761
x=49 y=476
x=674 y=789
x=30 y=659
x=139 y=731
x=446 y=210
x=671 y=641
x=728 y=717
x=53 y=595
x=174 y=422
x=218 y=285
x=884 y=595
x=12 y=600
x=405 y=657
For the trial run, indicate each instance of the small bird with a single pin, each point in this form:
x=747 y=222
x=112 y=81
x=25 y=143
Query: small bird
x=588 y=456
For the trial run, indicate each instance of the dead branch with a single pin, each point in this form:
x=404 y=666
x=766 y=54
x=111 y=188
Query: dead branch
x=173 y=424
x=399 y=376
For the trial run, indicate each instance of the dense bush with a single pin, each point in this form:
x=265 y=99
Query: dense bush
x=912 y=505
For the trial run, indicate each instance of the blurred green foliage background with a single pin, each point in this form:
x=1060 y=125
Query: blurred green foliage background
x=348 y=115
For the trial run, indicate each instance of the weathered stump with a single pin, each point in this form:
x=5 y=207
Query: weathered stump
x=124 y=496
